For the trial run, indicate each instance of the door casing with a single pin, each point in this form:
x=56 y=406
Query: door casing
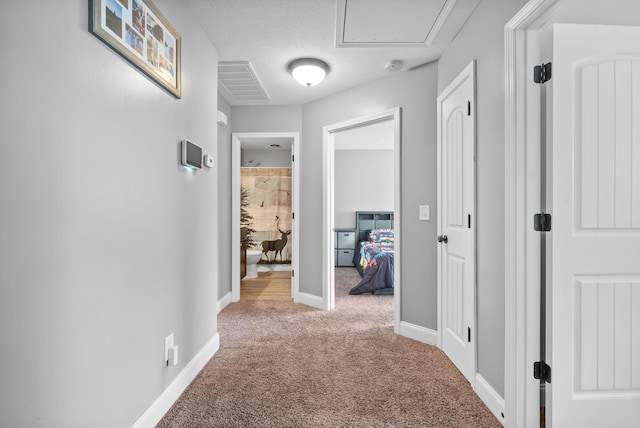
x=236 y=145
x=522 y=196
x=328 y=262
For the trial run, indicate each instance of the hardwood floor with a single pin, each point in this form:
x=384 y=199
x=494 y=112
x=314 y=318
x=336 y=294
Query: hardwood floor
x=272 y=285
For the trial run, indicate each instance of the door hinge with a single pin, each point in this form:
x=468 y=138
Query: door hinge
x=468 y=108
x=293 y=216
x=542 y=73
x=469 y=221
x=469 y=334
x=542 y=222
x=542 y=371
x=293 y=158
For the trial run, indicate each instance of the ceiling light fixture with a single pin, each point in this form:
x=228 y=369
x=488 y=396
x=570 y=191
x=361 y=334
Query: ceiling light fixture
x=308 y=71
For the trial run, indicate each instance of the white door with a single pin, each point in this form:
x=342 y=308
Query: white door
x=595 y=260
x=456 y=221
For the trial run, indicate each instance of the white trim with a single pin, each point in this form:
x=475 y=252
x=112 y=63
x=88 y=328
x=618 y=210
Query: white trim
x=440 y=20
x=163 y=403
x=295 y=222
x=397 y=221
x=421 y=334
x=328 y=243
x=222 y=303
x=518 y=309
x=311 y=300
x=236 y=159
x=328 y=255
x=490 y=398
x=236 y=144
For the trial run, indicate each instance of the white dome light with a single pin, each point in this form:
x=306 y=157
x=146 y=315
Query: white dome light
x=308 y=71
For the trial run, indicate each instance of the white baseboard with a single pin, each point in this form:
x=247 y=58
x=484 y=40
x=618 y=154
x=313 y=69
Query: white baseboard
x=222 y=303
x=421 y=334
x=311 y=300
x=490 y=397
x=163 y=403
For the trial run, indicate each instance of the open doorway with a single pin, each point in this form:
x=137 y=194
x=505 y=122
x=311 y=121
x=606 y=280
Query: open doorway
x=332 y=137
x=264 y=202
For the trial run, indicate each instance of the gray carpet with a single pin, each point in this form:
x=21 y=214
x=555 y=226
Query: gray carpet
x=287 y=365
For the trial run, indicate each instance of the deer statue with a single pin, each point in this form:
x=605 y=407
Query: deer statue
x=276 y=245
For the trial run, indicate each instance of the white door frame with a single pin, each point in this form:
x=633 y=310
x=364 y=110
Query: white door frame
x=469 y=72
x=328 y=262
x=236 y=145
x=522 y=193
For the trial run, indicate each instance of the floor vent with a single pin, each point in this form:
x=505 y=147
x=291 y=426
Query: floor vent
x=239 y=83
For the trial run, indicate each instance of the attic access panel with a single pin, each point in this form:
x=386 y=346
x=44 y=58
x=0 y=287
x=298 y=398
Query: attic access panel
x=383 y=22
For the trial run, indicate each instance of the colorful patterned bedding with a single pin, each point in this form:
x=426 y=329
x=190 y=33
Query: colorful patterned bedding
x=374 y=261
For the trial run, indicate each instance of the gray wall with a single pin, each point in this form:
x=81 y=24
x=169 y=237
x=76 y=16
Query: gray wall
x=488 y=19
x=268 y=158
x=616 y=12
x=415 y=93
x=107 y=244
x=223 y=168
x=267 y=119
x=356 y=186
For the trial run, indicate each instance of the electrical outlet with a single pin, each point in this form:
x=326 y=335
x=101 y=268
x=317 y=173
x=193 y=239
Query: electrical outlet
x=168 y=343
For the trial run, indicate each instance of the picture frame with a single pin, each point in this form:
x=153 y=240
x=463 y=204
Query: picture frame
x=140 y=33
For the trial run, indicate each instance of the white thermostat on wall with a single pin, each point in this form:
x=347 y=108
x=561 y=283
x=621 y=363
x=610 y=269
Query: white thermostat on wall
x=208 y=161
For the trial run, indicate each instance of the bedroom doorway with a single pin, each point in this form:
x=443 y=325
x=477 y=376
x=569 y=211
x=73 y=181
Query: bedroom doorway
x=265 y=165
x=331 y=136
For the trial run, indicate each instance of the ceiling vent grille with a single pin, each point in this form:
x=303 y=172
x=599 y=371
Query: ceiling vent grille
x=238 y=82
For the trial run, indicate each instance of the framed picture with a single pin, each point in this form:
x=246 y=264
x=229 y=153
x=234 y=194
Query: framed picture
x=140 y=33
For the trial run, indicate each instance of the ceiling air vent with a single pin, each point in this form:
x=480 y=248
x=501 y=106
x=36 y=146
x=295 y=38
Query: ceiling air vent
x=238 y=83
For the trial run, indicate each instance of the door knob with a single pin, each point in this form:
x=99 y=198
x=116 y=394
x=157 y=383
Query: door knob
x=443 y=238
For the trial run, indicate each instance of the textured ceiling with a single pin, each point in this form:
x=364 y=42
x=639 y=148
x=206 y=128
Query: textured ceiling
x=271 y=33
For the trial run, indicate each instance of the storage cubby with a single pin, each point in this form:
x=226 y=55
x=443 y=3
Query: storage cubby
x=345 y=244
x=368 y=220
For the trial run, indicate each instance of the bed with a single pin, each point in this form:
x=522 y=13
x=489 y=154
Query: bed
x=374 y=253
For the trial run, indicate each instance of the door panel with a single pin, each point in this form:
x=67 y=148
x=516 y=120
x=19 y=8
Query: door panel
x=605 y=106
x=456 y=202
x=595 y=274
x=604 y=313
x=454 y=299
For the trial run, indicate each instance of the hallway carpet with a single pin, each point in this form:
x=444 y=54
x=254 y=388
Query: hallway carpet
x=282 y=364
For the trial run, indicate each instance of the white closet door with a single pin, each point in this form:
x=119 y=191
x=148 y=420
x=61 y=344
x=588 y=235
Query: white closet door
x=595 y=274
x=456 y=220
